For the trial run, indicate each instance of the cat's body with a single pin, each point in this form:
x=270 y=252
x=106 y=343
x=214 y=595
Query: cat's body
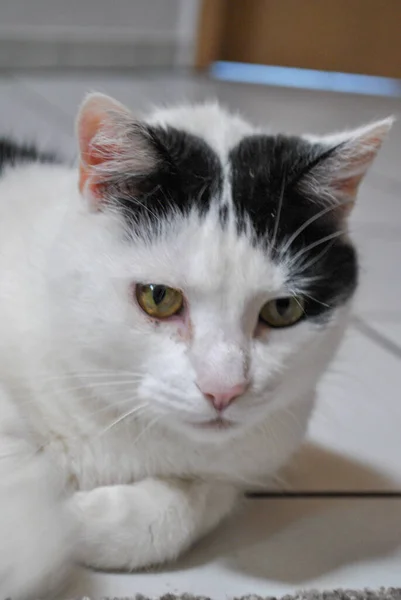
x=77 y=354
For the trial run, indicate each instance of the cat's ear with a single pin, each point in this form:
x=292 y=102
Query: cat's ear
x=112 y=144
x=341 y=164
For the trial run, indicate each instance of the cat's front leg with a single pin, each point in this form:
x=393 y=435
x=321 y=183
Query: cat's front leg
x=36 y=537
x=151 y=522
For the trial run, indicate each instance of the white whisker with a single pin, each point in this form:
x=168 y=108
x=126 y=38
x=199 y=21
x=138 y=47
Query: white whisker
x=315 y=259
x=298 y=302
x=308 y=222
x=326 y=238
x=77 y=375
x=316 y=300
x=278 y=215
x=150 y=425
x=126 y=415
x=95 y=386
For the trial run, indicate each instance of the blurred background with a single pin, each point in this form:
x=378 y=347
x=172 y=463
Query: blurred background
x=250 y=54
x=291 y=66
x=97 y=33
x=357 y=36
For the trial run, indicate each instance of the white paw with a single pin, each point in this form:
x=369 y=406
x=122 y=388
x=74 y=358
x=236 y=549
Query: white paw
x=106 y=530
x=124 y=527
x=153 y=521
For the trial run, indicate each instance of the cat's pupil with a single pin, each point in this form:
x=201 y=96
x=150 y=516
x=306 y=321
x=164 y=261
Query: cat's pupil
x=282 y=306
x=158 y=292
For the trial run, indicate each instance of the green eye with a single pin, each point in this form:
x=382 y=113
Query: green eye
x=283 y=312
x=159 y=301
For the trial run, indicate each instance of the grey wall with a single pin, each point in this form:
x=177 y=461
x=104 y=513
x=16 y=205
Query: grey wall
x=97 y=32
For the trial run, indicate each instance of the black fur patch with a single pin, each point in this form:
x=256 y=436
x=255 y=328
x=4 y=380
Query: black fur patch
x=265 y=171
x=188 y=176
x=12 y=153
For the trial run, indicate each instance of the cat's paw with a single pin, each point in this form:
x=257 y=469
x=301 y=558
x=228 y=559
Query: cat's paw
x=128 y=527
x=108 y=529
x=147 y=523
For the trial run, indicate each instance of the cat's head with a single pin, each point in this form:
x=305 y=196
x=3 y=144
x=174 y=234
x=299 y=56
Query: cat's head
x=224 y=272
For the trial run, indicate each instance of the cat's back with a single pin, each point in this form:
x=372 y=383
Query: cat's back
x=35 y=192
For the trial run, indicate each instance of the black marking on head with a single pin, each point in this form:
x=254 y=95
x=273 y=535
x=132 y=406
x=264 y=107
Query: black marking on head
x=187 y=176
x=12 y=153
x=265 y=171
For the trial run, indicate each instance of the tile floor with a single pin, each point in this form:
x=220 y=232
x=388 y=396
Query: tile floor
x=276 y=546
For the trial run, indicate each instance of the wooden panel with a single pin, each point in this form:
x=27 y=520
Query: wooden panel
x=357 y=36
x=211 y=32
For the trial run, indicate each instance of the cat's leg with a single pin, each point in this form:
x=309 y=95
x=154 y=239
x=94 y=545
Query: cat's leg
x=153 y=521
x=35 y=533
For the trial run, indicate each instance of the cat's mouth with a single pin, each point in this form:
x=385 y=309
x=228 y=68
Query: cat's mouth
x=215 y=424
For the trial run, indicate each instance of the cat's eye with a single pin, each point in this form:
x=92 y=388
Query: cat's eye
x=159 y=301
x=283 y=312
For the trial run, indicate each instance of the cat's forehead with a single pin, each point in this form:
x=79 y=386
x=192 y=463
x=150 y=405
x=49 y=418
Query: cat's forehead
x=229 y=213
x=220 y=129
x=240 y=172
x=196 y=253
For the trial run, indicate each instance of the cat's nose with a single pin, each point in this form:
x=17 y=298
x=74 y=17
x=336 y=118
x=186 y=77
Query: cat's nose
x=222 y=398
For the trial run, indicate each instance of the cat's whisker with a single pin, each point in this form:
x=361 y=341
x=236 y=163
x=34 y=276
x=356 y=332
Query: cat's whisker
x=326 y=238
x=42 y=380
x=247 y=481
x=136 y=202
x=20 y=395
x=96 y=386
x=282 y=484
x=146 y=430
x=134 y=411
x=315 y=300
x=297 y=301
x=293 y=417
x=309 y=221
x=278 y=214
x=115 y=405
x=307 y=266
x=78 y=374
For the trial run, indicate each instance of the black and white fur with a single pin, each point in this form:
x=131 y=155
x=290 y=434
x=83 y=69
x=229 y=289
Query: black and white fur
x=106 y=452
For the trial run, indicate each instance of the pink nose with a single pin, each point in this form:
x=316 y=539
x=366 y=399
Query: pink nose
x=223 y=398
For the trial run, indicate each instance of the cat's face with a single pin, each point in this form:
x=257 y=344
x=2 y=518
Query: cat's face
x=223 y=288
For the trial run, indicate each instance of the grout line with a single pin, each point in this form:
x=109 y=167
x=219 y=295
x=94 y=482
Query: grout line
x=327 y=494
x=376 y=337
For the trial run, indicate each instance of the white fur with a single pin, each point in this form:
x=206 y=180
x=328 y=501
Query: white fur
x=76 y=354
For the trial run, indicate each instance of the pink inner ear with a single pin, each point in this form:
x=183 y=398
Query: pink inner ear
x=88 y=127
x=357 y=166
x=350 y=162
x=349 y=186
x=346 y=188
x=90 y=155
x=94 y=116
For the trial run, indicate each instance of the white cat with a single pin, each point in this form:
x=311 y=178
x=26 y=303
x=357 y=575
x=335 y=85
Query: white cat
x=165 y=314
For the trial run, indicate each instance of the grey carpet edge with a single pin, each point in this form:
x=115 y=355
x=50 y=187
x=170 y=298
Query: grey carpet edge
x=336 y=594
